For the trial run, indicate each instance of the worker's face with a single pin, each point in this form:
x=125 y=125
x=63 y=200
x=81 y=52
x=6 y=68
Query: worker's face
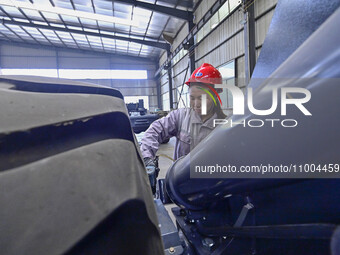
x=196 y=99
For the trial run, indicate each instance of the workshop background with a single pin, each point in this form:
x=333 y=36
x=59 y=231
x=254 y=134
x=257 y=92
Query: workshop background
x=49 y=38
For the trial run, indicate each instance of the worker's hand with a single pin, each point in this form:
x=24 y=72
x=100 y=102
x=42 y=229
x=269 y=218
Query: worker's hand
x=152 y=171
x=149 y=162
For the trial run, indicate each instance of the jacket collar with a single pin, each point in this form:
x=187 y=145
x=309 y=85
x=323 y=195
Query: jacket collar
x=195 y=118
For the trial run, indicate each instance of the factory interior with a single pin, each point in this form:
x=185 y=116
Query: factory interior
x=177 y=127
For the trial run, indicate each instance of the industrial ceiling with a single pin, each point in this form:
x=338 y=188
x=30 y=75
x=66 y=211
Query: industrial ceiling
x=129 y=27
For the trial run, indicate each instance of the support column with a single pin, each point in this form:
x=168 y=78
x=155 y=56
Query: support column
x=191 y=47
x=158 y=86
x=249 y=39
x=57 y=61
x=252 y=42
x=171 y=99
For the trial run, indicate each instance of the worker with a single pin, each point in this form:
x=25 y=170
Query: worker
x=188 y=125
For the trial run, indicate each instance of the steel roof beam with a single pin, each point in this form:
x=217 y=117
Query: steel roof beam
x=180 y=14
x=70 y=49
x=114 y=37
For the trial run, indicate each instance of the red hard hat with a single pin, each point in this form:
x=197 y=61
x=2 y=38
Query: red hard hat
x=206 y=73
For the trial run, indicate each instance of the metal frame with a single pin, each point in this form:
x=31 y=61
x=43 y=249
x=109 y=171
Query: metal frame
x=249 y=38
x=171 y=98
x=84 y=51
x=155 y=42
x=195 y=29
x=180 y=14
x=160 y=45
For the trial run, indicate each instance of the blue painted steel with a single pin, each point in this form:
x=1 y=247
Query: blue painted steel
x=211 y=203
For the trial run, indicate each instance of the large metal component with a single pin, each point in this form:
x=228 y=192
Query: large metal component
x=293 y=22
x=284 y=209
x=313 y=140
x=67 y=186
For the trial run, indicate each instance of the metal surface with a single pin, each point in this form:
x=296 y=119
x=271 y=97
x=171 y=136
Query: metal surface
x=251 y=38
x=297 y=231
x=335 y=246
x=169 y=231
x=293 y=22
x=186 y=15
x=310 y=141
x=212 y=205
x=197 y=243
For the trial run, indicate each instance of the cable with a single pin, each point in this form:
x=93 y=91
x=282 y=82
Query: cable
x=248 y=5
x=166 y=156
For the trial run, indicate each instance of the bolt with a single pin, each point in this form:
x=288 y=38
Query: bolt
x=208 y=242
x=171 y=249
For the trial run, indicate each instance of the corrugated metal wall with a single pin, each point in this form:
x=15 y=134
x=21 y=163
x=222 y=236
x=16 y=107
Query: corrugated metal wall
x=202 y=9
x=263 y=21
x=225 y=43
x=20 y=56
x=180 y=36
x=178 y=71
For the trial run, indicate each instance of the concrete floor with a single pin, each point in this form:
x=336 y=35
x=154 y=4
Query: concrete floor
x=164 y=164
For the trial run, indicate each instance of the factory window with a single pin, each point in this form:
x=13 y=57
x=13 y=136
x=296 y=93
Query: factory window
x=184 y=100
x=53 y=73
x=80 y=74
x=216 y=19
x=102 y=74
x=228 y=75
x=179 y=56
x=199 y=35
x=163 y=72
x=206 y=28
x=224 y=10
x=233 y=4
x=166 y=102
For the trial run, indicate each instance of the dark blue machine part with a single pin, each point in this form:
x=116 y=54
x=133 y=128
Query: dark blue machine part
x=288 y=216
x=171 y=241
x=312 y=141
x=293 y=22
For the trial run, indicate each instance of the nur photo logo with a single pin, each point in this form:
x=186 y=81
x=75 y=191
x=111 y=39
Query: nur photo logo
x=239 y=104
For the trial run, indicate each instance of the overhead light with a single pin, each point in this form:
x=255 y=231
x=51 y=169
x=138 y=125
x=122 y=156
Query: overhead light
x=74 y=13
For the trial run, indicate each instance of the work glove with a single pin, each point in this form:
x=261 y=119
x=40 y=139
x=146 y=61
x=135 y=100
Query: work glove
x=152 y=171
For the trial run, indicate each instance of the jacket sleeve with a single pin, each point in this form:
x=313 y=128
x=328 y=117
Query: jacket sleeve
x=159 y=131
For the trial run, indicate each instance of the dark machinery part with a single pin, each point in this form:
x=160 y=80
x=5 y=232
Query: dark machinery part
x=152 y=170
x=140 y=120
x=68 y=188
x=136 y=108
x=170 y=236
x=272 y=216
